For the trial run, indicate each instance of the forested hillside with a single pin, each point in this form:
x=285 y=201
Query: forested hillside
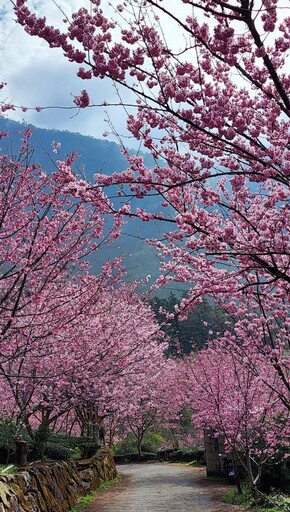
x=95 y=155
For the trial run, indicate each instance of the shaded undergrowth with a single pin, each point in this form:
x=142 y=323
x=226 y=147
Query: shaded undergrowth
x=273 y=502
x=84 y=501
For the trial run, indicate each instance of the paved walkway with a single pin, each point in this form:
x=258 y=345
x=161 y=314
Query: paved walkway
x=162 y=488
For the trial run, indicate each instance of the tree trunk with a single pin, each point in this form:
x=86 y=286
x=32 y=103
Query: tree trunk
x=139 y=449
x=21 y=452
x=139 y=442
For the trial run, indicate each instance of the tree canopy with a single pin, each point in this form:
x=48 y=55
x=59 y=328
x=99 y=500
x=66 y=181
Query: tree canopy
x=212 y=106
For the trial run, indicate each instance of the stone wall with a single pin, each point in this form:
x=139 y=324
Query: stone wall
x=54 y=486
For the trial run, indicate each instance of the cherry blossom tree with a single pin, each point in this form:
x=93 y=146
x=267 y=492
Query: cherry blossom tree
x=73 y=344
x=212 y=106
x=149 y=398
x=83 y=370
x=124 y=347
x=45 y=236
x=231 y=401
x=46 y=288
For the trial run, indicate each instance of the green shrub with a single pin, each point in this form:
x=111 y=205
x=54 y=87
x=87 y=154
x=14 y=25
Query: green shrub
x=134 y=457
x=87 y=447
x=40 y=439
x=57 y=452
x=76 y=453
x=235 y=498
x=80 y=447
x=64 y=440
x=276 y=474
x=8 y=433
x=152 y=442
x=187 y=455
x=126 y=446
x=276 y=502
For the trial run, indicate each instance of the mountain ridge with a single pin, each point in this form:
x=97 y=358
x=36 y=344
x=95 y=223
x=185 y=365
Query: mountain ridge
x=95 y=155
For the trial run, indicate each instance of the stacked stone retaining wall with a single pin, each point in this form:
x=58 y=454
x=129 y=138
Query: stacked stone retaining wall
x=54 y=486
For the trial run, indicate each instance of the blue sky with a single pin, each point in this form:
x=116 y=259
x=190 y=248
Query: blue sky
x=39 y=76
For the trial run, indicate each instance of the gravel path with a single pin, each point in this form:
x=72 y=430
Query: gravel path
x=162 y=488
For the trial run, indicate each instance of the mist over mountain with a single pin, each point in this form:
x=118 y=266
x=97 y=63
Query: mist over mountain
x=95 y=155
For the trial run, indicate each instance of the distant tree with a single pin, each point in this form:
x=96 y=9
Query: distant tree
x=149 y=397
x=192 y=333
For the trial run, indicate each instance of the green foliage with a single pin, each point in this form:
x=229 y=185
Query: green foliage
x=192 y=333
x=87 y=447
x=84 y=501
x=286 y=475
x=277 y=502
x=47 y=444
x=57 y=452
x=126 y=446
x=8 y=470
x=71 y=442
x=272 y=503
x=8 y=432
x=76 y=453
x=40 y=438
x=193 y=463
x=195 y=455
x=276 y=473
x=235 y=498
x=77 y=447
x=152 y=442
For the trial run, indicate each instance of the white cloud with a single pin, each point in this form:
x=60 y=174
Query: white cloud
x=39 y=76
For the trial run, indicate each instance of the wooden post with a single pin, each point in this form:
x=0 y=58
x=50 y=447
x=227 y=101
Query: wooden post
x=21 y=452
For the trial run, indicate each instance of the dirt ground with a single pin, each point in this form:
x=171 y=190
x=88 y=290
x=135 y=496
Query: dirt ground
x=162 y=488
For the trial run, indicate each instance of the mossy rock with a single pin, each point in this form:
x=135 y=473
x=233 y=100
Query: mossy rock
x=54 y=487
